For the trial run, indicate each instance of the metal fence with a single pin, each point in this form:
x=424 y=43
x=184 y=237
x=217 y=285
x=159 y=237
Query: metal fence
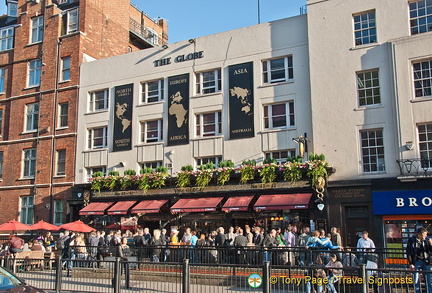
x=189 y=270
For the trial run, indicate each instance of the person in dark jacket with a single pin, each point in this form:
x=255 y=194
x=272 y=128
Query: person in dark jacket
x=123 y=251
x=269 y=243
x=240 y=242
x=220 y=240
x=419 y=251
x=158 y=243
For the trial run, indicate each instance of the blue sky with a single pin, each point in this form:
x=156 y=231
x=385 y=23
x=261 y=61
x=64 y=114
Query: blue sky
x=194 y=18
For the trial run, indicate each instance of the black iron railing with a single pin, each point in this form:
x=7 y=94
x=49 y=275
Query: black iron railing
x=419 y=167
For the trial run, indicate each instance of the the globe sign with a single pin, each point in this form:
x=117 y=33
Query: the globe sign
x=254 y=280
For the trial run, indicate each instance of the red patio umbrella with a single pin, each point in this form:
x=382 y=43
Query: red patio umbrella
x=77 y=226
x=14 y=226
x=42 y=225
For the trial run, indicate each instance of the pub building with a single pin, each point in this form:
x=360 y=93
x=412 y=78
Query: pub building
x=228 y=96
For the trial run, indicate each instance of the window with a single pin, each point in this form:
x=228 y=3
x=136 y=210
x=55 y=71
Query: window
x=29 y=163
x=279 y=115
x=2 y=80
x=37 y=30
x=70 y=21
x=12 y=8
x=372 y=150
x=209 y=124
x=365 y=28
x=152 y=131
x=1 y=165
x=425 y=144
x=152 y=36
x=32 y=117
x=34 y=72
x=26 y=215
x=281 y=156
x=368 y=88
x=152 y=165
x=208 y=82
x=63 y=115
x=420 y=16
x=98 y=100
x=152 y=91
x=203 y=161
x=6 y=38
x=91 y=171
x=278 y=70
x=61 y=163
x=97 y=138
x=65 y=68
x=58 y=211
x=423 y=78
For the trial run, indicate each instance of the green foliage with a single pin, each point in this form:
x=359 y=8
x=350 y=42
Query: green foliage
x=208 y=166
x=162 y=169
x=292 y=171
x=184 y=178
x=204 y=177
x=268 y=173
x=129 y=172
x=98 y=174
x=113 y=173
x=226 y=164
x=187 y=168
x=316 y=157
x=224 y=175
x=249 y=162
x=146 y=170
x=144 y=182
x=269 y=160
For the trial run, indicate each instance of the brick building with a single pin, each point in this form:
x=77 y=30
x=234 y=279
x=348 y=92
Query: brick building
x=42 y=45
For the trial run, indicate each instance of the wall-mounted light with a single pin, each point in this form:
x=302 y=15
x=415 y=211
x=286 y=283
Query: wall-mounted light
x=409 y=145
x=165 y=47
x=122 y=164
x=191 y=41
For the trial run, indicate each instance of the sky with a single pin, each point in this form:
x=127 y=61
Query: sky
x=195 y=18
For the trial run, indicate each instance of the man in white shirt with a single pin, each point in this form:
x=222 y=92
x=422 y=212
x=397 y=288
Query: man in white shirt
x=365 y=244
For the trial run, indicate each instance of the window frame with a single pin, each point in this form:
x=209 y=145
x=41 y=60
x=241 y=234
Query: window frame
x=91 y=138
x=32 y=117
x=12 y=8
x=1 y=164
x=58 y=212
x=61 y=162
x=368 y=92
x=199 y=124
x=291 y=153
x=288 y=70
x=37 y=29
x=63 y=112
x=92 y=170
x=201 y=89
x=145 y=97
x=151 y=164
x=424 y=145
x=359 y=29
x=289 y=115
x=7 y=38
x=376 y=154
x=65 y=71
x=34 y=72
x=93 y=102
x=27 y=209
x=29 y=163
x=204 y=160
x=422 y=81
x=71 y=27
x=1 y=121
x=145 y=131
x=416 y=22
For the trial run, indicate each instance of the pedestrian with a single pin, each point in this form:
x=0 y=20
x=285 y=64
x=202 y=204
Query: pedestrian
x=240 y=242
x=419 y=251
x=365 y=244
x=335 y=272
x=302 y=239
x=290 y=239
x=140 y=243
x=158 y=243
x=269 y=243
x=123 y=251
x=94 y=245
x=16 y=244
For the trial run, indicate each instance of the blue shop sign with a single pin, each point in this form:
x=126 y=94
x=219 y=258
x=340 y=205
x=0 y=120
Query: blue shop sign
x=406 y=202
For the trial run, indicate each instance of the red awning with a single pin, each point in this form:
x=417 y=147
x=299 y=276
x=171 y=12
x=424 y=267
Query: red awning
x=121 y=207
x=149 y=206
x=95 y=208
x=283 y=201
x=237 y=203
x=207 y=204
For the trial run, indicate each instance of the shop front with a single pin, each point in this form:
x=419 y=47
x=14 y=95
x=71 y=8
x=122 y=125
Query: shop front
x=402 y=213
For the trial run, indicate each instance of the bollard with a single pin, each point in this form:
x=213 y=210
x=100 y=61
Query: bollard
x=363 y=276
x=117 y=275
x=266 y=277
x=186 y=276
x=58 y=275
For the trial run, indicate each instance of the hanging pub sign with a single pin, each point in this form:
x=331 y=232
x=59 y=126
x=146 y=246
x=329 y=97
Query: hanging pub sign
x=178 y=109
x=241 y=108
x=123 y=105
